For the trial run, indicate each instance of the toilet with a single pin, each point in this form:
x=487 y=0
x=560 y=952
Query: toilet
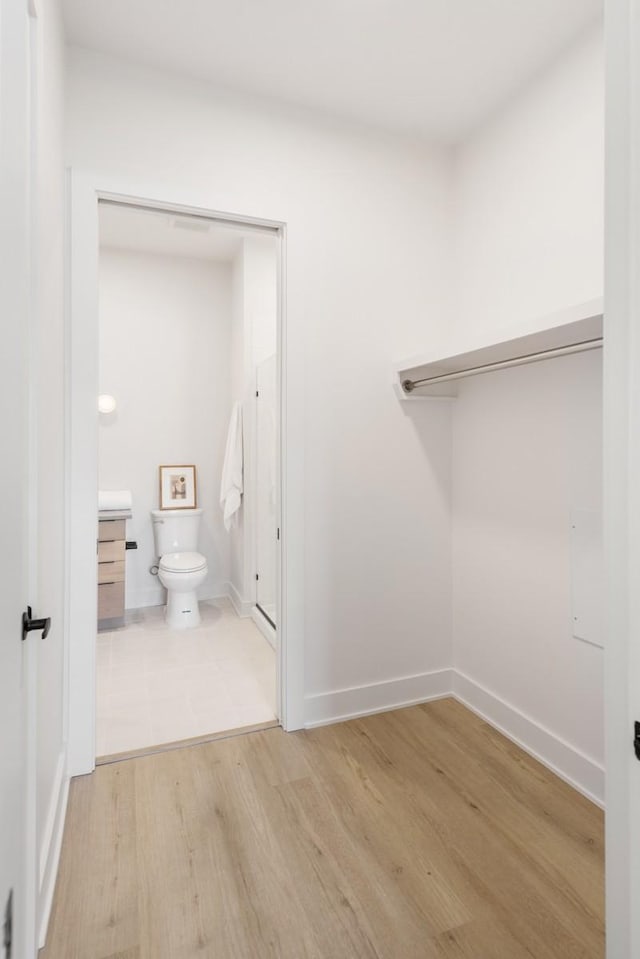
x=181 y=568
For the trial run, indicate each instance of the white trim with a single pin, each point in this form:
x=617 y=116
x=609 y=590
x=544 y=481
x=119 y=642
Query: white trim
x=265 y=627
x=580 y=771
x=567 y=762
x=223 y=591
x=86 y=190
x=290 y=507
x=51 y=845
x=322 y=709
x=156 y=595
x=82 y=478
x=242 y=609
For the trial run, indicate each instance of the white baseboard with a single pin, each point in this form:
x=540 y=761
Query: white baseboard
x=265 y=627
x=580 y=771
x=214 y=591
x=341 y=704
x=149 y=596
x=157 y=596
x=51 y=846
x=243 y=610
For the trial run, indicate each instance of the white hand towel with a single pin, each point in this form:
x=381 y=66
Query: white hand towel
x=231 y=486
x=114 y=499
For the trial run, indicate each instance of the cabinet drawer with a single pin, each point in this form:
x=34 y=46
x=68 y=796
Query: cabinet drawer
x=109 y=552
x=109 y=529
x=110 y=600
x=111 y=572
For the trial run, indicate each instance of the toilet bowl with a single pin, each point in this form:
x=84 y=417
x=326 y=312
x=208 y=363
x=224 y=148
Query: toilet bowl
x=181 y=574
x=181 y=569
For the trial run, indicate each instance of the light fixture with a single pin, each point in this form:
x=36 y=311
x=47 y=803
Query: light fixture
x=106 y=403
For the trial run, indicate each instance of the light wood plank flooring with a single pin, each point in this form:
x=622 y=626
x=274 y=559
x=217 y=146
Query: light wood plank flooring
x=413 y=834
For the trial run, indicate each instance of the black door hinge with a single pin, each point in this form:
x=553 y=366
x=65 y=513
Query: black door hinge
x=257 y=577
x=636 y=739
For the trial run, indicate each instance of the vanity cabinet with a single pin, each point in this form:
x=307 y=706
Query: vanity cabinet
x=111 y=560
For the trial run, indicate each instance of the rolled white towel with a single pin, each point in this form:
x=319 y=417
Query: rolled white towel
x=114 y=499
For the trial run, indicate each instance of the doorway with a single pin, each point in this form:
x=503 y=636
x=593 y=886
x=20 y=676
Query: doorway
x=84 y=341
x=187 y=314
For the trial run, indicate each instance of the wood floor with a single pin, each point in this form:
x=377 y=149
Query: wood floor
x=407 y=835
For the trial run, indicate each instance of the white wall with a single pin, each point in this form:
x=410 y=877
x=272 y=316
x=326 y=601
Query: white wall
x=527 y=452
x=238 y=570
x=48 y=596
x=527 y=442
x=254 y=338
x=529 y=199
x=165 y=350
x=367 y=278
x=376 y=245
x=260 y=296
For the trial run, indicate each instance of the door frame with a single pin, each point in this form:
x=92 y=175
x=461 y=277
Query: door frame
x=85 y=190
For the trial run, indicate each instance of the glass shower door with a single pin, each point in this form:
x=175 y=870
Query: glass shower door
x=266 y=528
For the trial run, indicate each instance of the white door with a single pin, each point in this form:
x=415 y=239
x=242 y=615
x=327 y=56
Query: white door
x=622 y=476
x=14 y=320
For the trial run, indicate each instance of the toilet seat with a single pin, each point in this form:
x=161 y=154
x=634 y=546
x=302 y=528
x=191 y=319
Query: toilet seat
x=183 y=562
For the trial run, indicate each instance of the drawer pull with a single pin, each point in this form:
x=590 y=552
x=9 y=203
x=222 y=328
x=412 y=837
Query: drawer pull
x=110 y=582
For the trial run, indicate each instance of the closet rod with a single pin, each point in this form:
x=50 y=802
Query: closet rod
x=409 y=385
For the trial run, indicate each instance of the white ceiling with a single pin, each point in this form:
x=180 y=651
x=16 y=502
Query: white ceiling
x=435 y=68
x=128 y=228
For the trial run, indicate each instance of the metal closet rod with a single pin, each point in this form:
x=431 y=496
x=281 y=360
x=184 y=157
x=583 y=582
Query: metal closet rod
x=409 y=385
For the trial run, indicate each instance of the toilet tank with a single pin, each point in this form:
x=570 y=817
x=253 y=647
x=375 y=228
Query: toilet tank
x=176 y=530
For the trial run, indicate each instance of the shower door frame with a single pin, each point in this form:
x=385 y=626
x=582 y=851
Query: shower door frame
x=260 y=616
x=85 y=191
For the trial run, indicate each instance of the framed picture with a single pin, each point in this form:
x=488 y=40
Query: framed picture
x=178 y=487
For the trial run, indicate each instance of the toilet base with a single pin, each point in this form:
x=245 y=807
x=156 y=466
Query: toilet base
x=181 y=611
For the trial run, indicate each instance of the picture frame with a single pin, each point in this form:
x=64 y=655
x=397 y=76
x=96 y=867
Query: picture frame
x=178 y=487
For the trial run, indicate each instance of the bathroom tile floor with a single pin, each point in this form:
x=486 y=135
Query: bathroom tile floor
x=156 y=685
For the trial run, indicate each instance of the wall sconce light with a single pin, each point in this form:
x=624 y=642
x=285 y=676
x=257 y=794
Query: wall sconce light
x=106 y=403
